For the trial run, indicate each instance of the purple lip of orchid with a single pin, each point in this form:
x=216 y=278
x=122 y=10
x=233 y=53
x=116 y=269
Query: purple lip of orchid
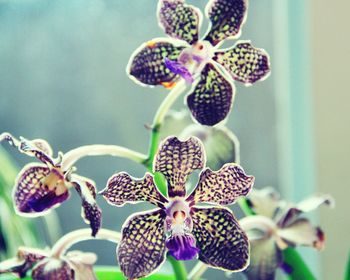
x=182 y=247
x=181 y=243
x=194 y=57
x=178 y=68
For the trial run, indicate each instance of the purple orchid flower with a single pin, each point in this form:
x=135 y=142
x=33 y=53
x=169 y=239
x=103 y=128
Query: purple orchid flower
x=40 y=187
x=162 y=61
x=179 y=225
x=73 y=265
x=276 y=226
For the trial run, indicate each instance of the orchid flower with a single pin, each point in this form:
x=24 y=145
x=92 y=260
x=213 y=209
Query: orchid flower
x=276 y=226
x=163 y=61
x=74 y=265
x=40 y=187
x=179 y=225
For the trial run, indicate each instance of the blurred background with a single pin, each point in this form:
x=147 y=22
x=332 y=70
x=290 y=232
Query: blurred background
x=62 y=78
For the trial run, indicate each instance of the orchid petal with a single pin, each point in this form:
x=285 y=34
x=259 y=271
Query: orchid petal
x=227 y=18
x=142 y=248
x=39 y=189
x=179 y=20
x=211 y=99
x=91 y=212
x=222 y=242
x=122 y=188
x=223 y=186
x=147 y=64
x=176 y=160
x=38 y=148
x=245 y=63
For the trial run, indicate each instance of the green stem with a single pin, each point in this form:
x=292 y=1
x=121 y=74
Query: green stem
x=347 y=271
x=292 y=258
x=159 y=119
x=178 y=268
x=300 y=270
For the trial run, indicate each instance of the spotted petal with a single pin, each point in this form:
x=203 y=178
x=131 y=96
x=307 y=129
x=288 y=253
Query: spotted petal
x=292 y=212
x=245 y=63
x=176 y=160
x=265 y=258
x=222 y=187
x=24 y=261
x=211 y=99
x=147 y=63
x=51 y=268
x=122 y=188
x=91 y=212
x=142 y=248
x=221 y=145
x=38 y=148
x=222 y=242
x=302 y=232
x=179 y=20
x=227 y=17
x=39 y=189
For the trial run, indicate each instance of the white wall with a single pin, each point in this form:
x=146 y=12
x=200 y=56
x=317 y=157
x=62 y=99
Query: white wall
x=331 y=83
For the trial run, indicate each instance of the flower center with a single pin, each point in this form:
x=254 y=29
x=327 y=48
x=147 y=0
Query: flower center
x=55 y=181
x=191 y=60
x=180 y=243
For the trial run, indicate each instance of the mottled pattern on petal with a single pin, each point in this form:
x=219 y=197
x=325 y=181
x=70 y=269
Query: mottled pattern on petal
x=227 y=17
x=53 y=269
x=91 y=212
x=291 y=212
x=122 y=188
x=302 y=232
x=176 y=160
x=211 y=99
x=265 y=258
x=38 y=189
x=38 y=148
x=25 y=260
x=221 y=145
x=223 y=186
x=147 y=63
x=222 y=242
x=179 y=20
x=245 y=63
x=142 y=248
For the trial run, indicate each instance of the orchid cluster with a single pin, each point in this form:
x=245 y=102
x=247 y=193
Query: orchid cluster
x=189 y=221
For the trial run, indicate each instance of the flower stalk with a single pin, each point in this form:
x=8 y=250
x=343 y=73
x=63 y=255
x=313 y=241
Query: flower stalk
x=68 y=240
x=74 y=155
x=158 y=120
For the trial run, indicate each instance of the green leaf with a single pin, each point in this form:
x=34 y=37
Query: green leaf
x=107 y=273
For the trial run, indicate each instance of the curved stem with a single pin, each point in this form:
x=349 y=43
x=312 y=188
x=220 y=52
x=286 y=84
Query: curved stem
x=159 y=119
x=197 y=272
x=99 y=150
x=68 y=240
